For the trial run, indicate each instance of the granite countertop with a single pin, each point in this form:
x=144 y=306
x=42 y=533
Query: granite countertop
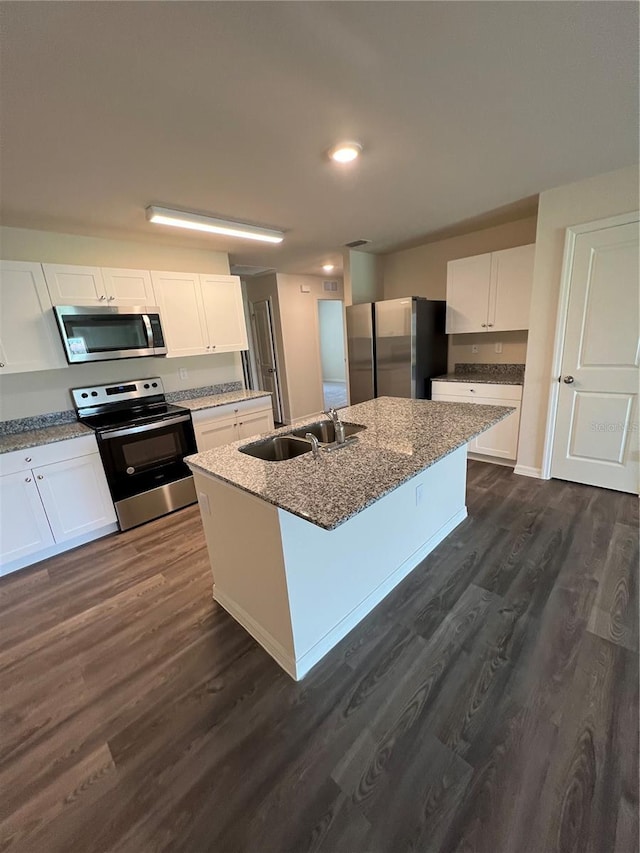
x=44 y=435
x=494 y=374
x=214 y=400
x=402 y=438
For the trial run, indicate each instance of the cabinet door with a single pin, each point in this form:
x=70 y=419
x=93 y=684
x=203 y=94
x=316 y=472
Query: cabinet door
x=502 y=439
x=128 y=287
x=215 y=433
x=511 y=283
x=254 y=423
x=29 y=339
x=75 y=496
x=179 y=298
x=74 y=285
x=23 y=523
x=224 y=313
x=468 y=281
x=452 y=398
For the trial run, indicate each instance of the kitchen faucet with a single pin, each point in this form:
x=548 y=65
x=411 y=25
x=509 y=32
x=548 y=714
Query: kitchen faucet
x=337 y=424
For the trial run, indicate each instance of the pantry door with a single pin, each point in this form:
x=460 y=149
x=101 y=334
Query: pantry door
x=596 y=438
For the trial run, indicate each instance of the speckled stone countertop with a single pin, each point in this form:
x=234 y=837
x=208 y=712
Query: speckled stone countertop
x=402 y=438
x=495 y=374
x=45 y=435
x=221 y=399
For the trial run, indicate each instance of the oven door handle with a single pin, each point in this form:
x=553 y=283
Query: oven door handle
x=118 y=433
x=147 y=325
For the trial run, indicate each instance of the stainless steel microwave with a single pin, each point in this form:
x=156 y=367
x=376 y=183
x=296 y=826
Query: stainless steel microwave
x=109 y=332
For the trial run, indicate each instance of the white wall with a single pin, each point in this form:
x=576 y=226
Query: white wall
x=585 y=201
x=27 y=394
x=332 y=354
x=366 y=277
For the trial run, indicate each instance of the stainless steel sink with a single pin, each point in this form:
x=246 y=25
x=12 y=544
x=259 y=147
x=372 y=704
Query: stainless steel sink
x=277 y=449
x=325 y=431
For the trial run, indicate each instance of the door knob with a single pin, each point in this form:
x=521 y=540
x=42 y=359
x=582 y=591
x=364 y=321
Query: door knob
x=270 y=370
x=568 y=380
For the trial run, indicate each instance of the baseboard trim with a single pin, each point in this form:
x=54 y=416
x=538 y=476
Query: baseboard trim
x=58 y=548
x=297 y=668
x=492 y=460
x=528 y=471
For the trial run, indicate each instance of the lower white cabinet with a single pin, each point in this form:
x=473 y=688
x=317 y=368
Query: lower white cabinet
x=226 y=424
x=52 y=497
x=501 y=441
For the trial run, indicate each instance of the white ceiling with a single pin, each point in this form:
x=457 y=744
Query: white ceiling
x=228 y=107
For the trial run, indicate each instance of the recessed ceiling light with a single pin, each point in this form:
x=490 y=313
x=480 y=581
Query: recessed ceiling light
x=199 y=222
x=327 y=267
x=345 y=152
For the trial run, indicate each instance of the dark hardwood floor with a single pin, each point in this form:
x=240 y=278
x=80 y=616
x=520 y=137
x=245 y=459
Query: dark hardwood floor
x=490 y=703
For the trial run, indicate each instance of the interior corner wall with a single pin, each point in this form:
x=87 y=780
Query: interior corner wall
x=365 y=271
x=29 y=394
x=600 y=197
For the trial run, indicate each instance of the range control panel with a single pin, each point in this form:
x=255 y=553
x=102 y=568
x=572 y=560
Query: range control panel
x=136 y=389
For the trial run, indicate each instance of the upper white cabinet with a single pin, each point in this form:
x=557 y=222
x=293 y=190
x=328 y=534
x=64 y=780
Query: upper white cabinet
x=201 y=314
x=76 y=285
x=490 y=292
x=224 y=312
x=29 y=338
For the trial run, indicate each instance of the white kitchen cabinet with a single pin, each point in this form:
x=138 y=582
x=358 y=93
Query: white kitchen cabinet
x=52 y=497
x=224 y=313
x=24 y=529
x=29 y=339
x=224 y=424
x=70 y=284
x=179 y=297
x=490 y=292
x=501 y=441
x=201 y=314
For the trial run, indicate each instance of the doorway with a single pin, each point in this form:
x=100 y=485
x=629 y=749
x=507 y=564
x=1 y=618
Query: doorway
x=594 y=406
x=332 y=353
x=265 y=353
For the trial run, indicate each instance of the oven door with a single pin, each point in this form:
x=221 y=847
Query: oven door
x=104 y=334
x=140 y=458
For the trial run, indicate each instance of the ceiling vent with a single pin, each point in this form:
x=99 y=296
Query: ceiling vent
x=355 y=243
x=330 y=286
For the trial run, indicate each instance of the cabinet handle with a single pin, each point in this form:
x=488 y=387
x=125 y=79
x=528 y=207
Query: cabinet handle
x=484 y=325
x=27 y=459
x=40 y=477
x=27 y=479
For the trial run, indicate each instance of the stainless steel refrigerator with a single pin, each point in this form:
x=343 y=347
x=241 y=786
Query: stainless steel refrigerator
x=395 y=347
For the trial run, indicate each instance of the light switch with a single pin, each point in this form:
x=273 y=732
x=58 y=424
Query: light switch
x=474 y=349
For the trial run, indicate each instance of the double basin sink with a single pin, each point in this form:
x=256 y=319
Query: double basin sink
x=279 y=448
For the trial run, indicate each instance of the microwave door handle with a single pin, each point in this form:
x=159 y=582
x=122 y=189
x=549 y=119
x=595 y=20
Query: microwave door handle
x=118 y=433
x=147 y=325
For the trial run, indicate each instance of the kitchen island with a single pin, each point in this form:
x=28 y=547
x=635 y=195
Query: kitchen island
x=302 y=549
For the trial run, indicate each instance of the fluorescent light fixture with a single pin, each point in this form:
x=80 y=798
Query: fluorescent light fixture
x=199 y=222
x=327 y=267
x=345 y=152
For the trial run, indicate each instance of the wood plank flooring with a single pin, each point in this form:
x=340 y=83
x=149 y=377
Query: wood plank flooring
x=490 y=703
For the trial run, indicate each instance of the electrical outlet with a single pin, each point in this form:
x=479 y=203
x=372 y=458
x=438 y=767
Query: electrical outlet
x=498 y=347
x=183 y=373
x=474 y=349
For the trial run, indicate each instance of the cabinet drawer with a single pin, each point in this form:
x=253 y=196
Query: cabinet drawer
x=230 y=410
x=46 y=454
x=476 y=390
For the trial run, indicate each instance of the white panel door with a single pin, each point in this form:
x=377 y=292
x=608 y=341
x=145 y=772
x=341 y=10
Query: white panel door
x=75 y=496
x=596 y=431
x=254 y=424
x=74 y=285
x=224 y=313
x=510 y=292
x=468 y=281
x=215 y=433
x=29 y=339
x=24 y=528
x=179 y=298
x=128 y=287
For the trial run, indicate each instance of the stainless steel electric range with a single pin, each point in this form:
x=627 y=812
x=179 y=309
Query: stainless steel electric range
x=142 y=441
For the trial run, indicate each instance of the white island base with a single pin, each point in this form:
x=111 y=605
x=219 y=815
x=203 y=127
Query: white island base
x=297 y=588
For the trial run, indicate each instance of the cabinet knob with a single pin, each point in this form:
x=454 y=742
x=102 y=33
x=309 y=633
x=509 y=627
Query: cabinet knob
x=213 y=346
x=1 y=363
x=484 y=325
x=489 y=324
x=27 y=479
x=208 y=347
x=27 y=459
x=111 y=298
x=40 y=477
x=101 y=298
x=472 y=390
